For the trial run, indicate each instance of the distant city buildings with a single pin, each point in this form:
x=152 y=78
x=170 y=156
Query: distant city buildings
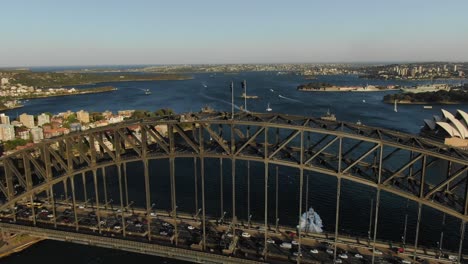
x=415 y=71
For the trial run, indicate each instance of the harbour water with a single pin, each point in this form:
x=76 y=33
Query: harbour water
x=281 y=94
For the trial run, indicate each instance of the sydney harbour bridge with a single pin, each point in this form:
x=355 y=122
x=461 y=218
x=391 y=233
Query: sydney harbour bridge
x=99 y=187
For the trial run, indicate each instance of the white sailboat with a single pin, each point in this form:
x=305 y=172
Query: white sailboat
x=395 y=106
x=269 y=108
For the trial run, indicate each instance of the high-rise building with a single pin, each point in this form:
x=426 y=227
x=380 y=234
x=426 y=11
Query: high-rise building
x=27 y=120
x=404 y=72
x=455 y=68
x=445 y=67
x=7 y=132
x=82 y=116
x=43 y=119
x=24 y=134
x=37 y=134
x=4 y=119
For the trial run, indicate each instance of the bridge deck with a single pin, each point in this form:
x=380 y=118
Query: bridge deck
x=134 y=236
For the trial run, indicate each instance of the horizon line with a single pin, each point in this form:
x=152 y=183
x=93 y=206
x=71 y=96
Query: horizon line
x=233 y=63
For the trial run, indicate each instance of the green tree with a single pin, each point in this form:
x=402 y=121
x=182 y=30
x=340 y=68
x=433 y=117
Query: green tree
x=96 y=116
x=139 y=114
x=12 y=144
x=164 y=112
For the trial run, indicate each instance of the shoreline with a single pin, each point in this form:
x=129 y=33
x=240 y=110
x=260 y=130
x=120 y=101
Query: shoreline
x=424 y=103
x=16 y=247
x=11 y=108
x=69 y=94
x=345 y=91
x=136 y=80
x=90 y=91
x=417 y=79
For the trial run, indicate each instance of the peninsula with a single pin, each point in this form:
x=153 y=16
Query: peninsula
x=60 y=79
x=327 y=87
x=23 y=84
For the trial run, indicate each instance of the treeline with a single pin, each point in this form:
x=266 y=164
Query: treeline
x=453 y=96
x=56 y=79
x=139 y=114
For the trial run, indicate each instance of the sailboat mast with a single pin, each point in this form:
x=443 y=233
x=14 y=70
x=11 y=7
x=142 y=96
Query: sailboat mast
x=244 y=84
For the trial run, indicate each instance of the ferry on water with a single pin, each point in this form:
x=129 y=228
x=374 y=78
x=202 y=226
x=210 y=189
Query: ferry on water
x=244 y=96
x=328 y=116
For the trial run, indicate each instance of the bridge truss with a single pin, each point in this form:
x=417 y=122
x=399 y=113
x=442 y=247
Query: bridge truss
x=426 y=172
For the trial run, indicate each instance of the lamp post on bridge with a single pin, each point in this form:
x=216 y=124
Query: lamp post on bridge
x=221 y=220
x=369 y=232
x=153 y=213
x=403 y=238
x=197 y=214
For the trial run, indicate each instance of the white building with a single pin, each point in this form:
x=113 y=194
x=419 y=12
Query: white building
x=4 y=119
x=4 y=81
x=37 y=134
x=453 y=128
x=7 y=132
x=27 y=120
x=82 y=116
x=43 y=119
x=24 y=134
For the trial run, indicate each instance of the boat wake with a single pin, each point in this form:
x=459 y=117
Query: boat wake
x=290 y=99
x=222 y=101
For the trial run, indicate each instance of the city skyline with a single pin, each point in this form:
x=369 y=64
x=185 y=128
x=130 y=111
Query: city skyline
x=53 y=33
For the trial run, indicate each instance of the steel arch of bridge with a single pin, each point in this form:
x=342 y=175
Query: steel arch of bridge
x=387 y=160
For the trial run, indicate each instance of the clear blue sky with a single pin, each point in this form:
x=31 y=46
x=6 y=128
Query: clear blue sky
x=102 y=32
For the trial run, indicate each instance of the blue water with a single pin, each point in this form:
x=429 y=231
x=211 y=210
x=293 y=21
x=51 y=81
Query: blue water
x=191 y=95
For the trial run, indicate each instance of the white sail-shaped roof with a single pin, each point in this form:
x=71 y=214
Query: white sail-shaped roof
x=459 y=126
x=431 y=124
x=447 y=114
x=464 y=115
x=449 y=129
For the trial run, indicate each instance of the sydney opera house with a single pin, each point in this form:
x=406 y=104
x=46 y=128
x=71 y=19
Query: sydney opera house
x=450 y=129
